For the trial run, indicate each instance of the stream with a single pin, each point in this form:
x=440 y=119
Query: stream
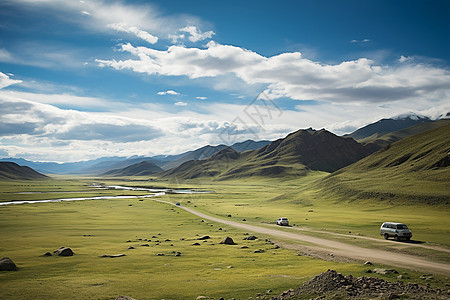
x=156 y=193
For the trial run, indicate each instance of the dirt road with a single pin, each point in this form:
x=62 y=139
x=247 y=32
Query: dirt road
x=338 y=248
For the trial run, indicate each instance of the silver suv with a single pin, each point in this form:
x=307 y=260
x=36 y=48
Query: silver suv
x=283 y=222
x=396 y=230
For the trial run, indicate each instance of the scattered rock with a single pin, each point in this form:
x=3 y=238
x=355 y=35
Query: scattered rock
x=384 y=271
x=178 y=254
x=368 y=271
x=333 y=285
x=220 y=228
x=160 y=254
x=167 y=240
x=368 y=263
x=130 y=204
x=205 y=237
x=145 y=245
x=64 y=251
x=244 y=247
x=400 y=277
x=112 y=256
x=228 y=241
x=131 y=247
x=120 y=297
x=6 y=264
x=259 y=251
x=47 y=254
x=244 y=220
x=196 y=244
x=250 y=238
x=129 y=241
x=229 y=216
x=276 y=247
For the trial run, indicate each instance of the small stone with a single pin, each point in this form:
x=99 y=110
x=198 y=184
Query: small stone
x=244 y=247
x=160 y=254
x=368 y=271
x=368 y=263
x=229 y=216
x=131 y=247
x=6 y=264
x=228 y=241
x=145 y=245
x=196 y=244
x=205 y=237
x=47 y=254
x=259 y=251
x=64 y=251
x=244 y=220
x=178 y=254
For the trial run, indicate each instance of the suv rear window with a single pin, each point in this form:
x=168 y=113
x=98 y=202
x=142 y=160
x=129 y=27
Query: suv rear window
x=402 y=226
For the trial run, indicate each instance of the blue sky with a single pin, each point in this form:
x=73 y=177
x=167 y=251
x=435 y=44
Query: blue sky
x=86 y=79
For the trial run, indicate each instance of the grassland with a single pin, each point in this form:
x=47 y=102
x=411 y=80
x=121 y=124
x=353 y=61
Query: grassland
x=93 y=228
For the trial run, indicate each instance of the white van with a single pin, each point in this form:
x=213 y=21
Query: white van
x=283 y=222
x=396 y=230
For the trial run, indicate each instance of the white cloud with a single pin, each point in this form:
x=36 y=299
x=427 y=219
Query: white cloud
x=361 y=41
x=136 y=31
x=291 y=75
x=195 y=34
x=6 y=81
x=169 y=92
x=5 y=55
x=201 y=98
x=403 y=59
x=180 y=103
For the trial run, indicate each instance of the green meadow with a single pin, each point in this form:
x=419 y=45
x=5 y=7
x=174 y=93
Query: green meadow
x=96 y=227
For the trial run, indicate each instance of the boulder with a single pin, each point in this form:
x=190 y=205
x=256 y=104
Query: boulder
x=64 y=251
x=384 y=271
x=112 y=256
x=47 y=254
x=195 y=244
x=228 y=241
x=205 y=237
x=250 y=238
x=120 y=297
x=6 y=264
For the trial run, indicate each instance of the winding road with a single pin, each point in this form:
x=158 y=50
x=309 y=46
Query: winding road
x=339 y=248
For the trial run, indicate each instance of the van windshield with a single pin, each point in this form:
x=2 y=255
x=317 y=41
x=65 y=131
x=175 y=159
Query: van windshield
x=402 y=226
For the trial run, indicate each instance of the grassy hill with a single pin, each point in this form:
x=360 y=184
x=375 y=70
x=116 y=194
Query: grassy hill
x=296 y=155
x=12 y=171
x=415 y=169
x=384 y=139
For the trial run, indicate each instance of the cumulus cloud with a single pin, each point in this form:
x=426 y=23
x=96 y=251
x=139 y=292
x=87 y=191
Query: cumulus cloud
x=136 y=31
x=169 y=92
x=291 y=75
x=201 y=98
x=196 y=35
x=180 y=103
x=6 y=81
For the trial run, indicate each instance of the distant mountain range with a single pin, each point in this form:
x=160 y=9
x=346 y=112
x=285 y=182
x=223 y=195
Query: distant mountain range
x=12 y=171
x=105 y=164
x=385 y=126
x=295 y=154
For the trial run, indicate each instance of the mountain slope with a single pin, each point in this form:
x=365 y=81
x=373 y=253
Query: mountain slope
x=12 y=171
x=295 y=154
x=207 y=151
x=416 y=168
x=385 y=126
x=382 y=140
x=142 y=168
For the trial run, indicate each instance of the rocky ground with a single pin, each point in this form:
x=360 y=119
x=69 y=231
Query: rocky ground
x=333 y=285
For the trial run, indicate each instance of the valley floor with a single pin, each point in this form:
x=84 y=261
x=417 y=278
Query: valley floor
x=157 y=231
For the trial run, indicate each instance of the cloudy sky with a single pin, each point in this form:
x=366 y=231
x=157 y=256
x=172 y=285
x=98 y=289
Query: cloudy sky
x=87 y=79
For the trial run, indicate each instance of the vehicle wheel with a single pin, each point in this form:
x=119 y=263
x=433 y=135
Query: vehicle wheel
x=386 y=236
x=396 y=237
x=408 y=238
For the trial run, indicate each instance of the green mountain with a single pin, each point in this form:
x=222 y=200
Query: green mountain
x=385 y=126
x=12 y=171
x=414 y=169
x=143 y=168
x=296 y=154
x=383 y=139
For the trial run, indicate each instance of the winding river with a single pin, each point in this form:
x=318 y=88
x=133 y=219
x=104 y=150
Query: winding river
x=156 y=193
